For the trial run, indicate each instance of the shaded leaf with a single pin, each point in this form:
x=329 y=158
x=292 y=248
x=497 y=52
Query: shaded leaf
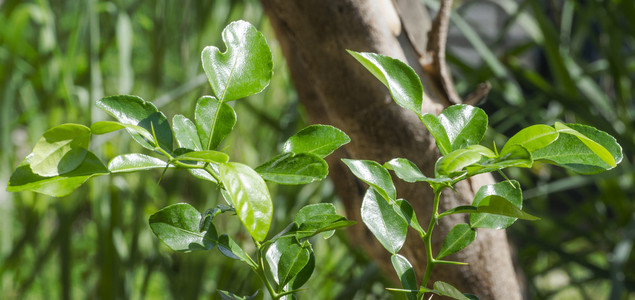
x=225 y=295
x=498 y=205
x=244 y=69
x=320 y=140
x=292 y=260
x=406 y=274
x=402 y=81
x=446 y=289
x=60 y=150
x=133 y=110
x=185 y=133
x=177 y=226
x=229 y=248
x=288 y=168
x=374 y=175
x=250 y=197
x=23 y=178
x=214 y=121
x=305 y=274
x=409 y=214
x=381 y=218
x=438 y=132
x=459 y=237
x=135 y=162
x=465 y=125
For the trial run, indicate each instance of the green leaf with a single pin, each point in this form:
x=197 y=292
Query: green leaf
x=320 y=140
x=288 y=168
x=274 y=256
x=454 y=162
x=292 y=261
x=60 y=150
x=386 y=224
x=402 y=81
x=531 y=138
x=307 y=213
x=244 y=69
x=509 y=190
x=303 y=276
x=515 y=156
x=498 y=205
x=214 y=121
x=178 y=226
x=409 y=214
x=408 y=171
x=446 y=289
x=374 y=175
x=316 y=218
x=465 y=125
x=202 y=174
x=103 y=127
x=225 y=295
x=459 y=237
x=229 y=248
x=438 y=132
x=135 y=162
x=209 y=156
x=23 y=178
x=250 y=197
x=406 y=274
x=185 y=133
x=582 y=149
x=132 y=110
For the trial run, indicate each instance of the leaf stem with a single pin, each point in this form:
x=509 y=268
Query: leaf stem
x=427 y=238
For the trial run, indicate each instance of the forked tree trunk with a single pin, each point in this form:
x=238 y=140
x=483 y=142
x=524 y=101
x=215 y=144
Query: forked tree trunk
x=335 y=89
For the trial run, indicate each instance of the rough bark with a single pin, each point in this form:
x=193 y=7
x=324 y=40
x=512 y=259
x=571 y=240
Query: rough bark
x=336 y=90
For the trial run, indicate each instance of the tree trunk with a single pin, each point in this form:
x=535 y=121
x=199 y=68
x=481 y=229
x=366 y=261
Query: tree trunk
x=335 y=89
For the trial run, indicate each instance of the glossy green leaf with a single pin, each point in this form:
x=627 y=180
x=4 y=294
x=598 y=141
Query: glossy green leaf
x=185 y=133
x=316 y=218
x=292 y=261
x=510 y=190
x=135 y=162
x=320 y=140
x=178 y=226
x=374 y=175
x=409 y=214
x=250 y=197
x=482 y=150
x=582 y=149
x=288 y=168
x=387 y=225
x=408 y=171
x=454 y=162
x=229 y=248
x=244 y=69
x=214 y=121
x=209 y=156
x=497 y=205
x=103 y=127
x=459 y=237
x=465 y=125
x=225 y=295
x=133 y=110
x=515 y=156
x=23 y=178
x=305 y=274
x=446 y=289
x=202 y=174
x=307 y=213
x=402 y=81
x=406 y=274
x=60 y=150
x=531 y=138
x=274 y=256
x=438 y=132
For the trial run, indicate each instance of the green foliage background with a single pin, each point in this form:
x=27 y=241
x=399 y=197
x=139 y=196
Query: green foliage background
x=58 y=57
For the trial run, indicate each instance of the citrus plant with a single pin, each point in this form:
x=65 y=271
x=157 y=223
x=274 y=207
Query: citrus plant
x=458 y=130
x=61 y=162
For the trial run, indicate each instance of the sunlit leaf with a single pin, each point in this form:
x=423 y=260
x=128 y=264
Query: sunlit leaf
x=374 y=175
x=60 y=150
x=214 y=121
x=457 y=160
x=459 y=237
x=289 y=168
x=185 y=133
x=320 y=140
x=446 y=289
x=438 y=132
x=531 y=138
x=387 y=225
x=209 y=156
x=465 y=125
x=178 y=226
x=244 y=69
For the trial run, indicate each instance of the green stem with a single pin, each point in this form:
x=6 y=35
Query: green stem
x=261 y=273
x=427 y=238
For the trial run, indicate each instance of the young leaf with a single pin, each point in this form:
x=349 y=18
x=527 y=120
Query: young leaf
x=582 y=149
x=465 y=125
x=288 y=168
x=509 y=190
x=229 y=248
x=103 y=127
x=459 y=237
x=60 y=150
x=185 y=133
x=531 y=138
x=402 y=81
x=381 y=218
x=214 y=121
x=178 y=226
x=244 y=69
x=438 y=132
x=374 y=175
x=250 y=197
x=454 y=162
x=320 y=140
x=23 y=178
x=209 y=156
x=406 y=274
x=446 y=289
x=133 y=110
x=135 y=162
x=408 y=171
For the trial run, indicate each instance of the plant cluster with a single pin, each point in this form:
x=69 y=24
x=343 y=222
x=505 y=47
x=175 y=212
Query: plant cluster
x=61 y=162
x=458 y=130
